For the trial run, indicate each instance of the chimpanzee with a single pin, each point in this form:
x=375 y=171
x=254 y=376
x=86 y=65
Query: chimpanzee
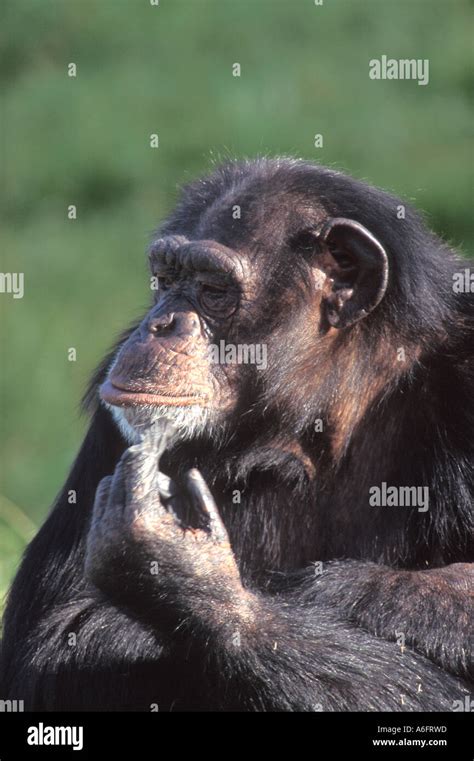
x=272 y=508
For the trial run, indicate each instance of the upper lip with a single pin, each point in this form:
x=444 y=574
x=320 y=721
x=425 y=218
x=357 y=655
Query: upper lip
x=110 y=386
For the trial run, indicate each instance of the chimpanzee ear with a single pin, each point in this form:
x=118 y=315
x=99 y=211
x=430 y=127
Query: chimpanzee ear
x=357 y=268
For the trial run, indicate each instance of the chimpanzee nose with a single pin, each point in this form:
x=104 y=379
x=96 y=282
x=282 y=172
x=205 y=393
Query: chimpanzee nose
x=174 y=324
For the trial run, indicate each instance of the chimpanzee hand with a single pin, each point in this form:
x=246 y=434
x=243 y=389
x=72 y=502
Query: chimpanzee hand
x=139 y=548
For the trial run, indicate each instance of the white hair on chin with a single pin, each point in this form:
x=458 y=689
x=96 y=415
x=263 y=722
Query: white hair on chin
x=189 y=421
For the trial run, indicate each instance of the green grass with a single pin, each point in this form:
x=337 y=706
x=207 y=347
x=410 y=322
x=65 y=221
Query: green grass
x=85 y=141
x=16 y=530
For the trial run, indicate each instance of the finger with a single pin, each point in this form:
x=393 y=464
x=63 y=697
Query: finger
x=174 y=507
x=204 y=502
x=166 y=487
x=168 y=494
x=134 y=475
x=158 y=436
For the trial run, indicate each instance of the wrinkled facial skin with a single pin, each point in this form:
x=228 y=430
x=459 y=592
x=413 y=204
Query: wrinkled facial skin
x=287 y=282
x=166 y=367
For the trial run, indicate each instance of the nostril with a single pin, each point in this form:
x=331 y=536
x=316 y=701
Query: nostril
x=175 y=323
x=163 y=323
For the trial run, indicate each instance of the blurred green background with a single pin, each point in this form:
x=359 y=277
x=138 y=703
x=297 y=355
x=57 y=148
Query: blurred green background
x=143 y=69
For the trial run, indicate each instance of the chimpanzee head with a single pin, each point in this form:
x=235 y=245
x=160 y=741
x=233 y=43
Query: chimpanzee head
x=267 y=280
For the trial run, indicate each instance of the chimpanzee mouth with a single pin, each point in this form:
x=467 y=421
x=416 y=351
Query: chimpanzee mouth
x=114 y=394
x=189 y=420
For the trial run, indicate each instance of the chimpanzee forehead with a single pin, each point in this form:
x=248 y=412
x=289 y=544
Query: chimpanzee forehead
x=257 y=221
x=254 y=207
x=243 y=204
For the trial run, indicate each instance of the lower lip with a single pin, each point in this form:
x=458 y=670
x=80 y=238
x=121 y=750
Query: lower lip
x=122 y=398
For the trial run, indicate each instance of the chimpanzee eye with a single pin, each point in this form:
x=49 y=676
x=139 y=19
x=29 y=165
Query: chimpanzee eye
x=218 y=299
x=213 y=291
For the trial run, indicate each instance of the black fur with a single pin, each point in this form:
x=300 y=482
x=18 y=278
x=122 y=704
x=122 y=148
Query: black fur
x=417 y=430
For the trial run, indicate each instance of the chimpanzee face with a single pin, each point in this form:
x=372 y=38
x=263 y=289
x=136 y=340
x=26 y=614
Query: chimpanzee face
x=227 y=316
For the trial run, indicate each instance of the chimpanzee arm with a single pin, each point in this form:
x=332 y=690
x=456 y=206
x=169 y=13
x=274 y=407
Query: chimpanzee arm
x=291 y=657
x=264 y=652
x=430 y=610
x=82 y=655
